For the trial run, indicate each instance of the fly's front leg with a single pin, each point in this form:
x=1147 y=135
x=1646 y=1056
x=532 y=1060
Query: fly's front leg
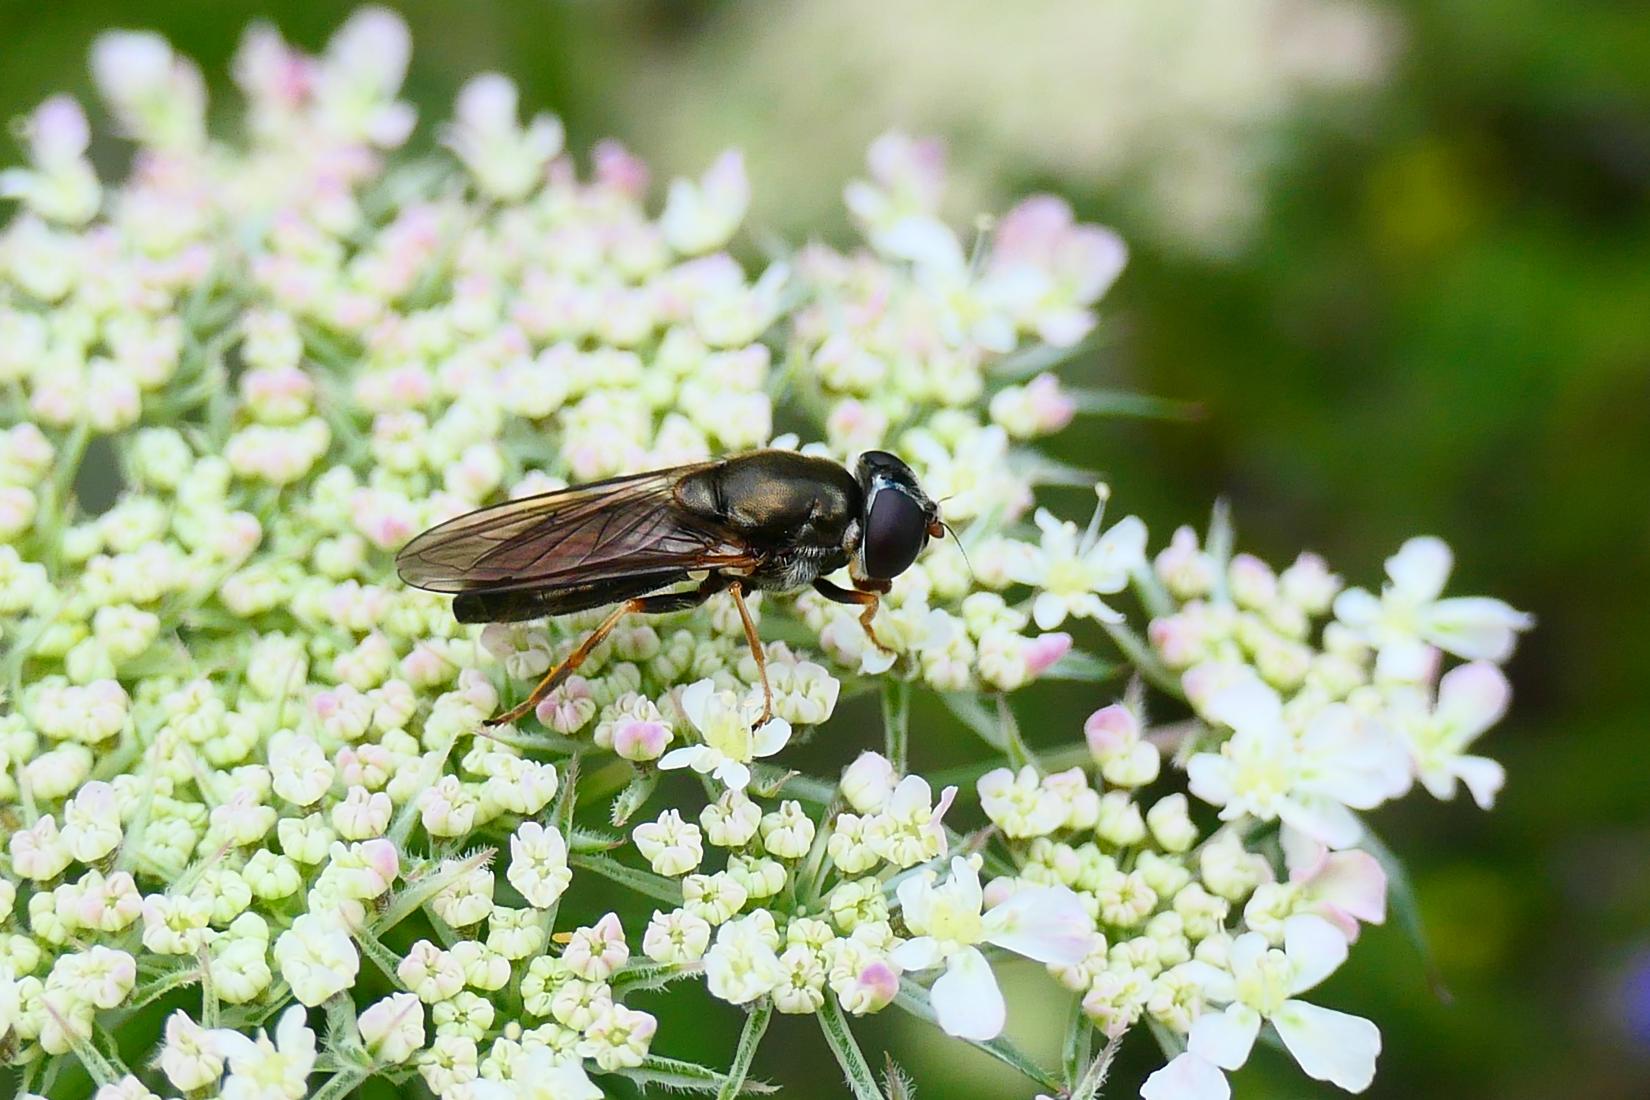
x=658 y=604
x=755 y=642
x=867 y=594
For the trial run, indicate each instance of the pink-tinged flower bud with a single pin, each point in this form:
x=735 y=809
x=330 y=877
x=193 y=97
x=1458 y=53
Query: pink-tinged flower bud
x=1044 y=651
x=868 y=782
x=1111 y=731
x=639 y=739
x=620 y=169
x=569 y=707
x=873 y=990
x=57 y=132
x=393 y=1028
x=379 y=856
x=701 y=216
x=1252 y=581
x=999 y=890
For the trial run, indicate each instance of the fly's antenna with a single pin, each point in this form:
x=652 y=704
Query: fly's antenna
x=961 y=549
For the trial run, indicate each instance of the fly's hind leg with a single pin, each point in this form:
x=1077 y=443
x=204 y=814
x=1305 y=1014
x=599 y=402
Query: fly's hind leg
x=867 y=594
x=657 y=604
x=755 y=642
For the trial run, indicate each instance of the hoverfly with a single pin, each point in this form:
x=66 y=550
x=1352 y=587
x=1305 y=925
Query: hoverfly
x=764 y=521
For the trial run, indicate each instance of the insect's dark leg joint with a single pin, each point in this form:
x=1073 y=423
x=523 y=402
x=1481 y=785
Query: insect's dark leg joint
x=665 y=602
x=865 y=594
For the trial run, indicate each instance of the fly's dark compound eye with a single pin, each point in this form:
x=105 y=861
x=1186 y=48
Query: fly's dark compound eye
x=895 y=532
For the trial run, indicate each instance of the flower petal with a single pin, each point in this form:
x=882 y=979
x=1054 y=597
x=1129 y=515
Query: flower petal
x=1315 y=948
x=1357 y=608
x=966 y=881
x=1210 y=778
x=913 y=894
x=1475 y=627
x=967 y=1001
x=1048 y=610
x=696 y=702
x=1420 y=567
x=1321 y=817
x=770 y=737
x=1484 y=778
x=1187 y=1077
x=1045 y=923
x=1225 y=1038
x=732 y=774
x=684 y=757
x=1248 y=704
x=1330 y=1046
x=1473 y=698
x=920 y=953
x=1352 y=881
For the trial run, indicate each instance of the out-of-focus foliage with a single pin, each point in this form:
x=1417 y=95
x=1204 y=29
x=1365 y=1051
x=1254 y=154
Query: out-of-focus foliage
x=1440 y=320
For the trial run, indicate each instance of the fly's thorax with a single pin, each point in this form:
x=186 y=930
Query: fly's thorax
x=780 y=498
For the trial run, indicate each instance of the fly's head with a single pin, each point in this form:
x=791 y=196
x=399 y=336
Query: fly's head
x=899 y=517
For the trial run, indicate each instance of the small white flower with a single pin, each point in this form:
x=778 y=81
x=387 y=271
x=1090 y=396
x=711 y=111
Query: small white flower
x=787 y=832
x=1073 y=569
x=393 y=1028
x=317 y=957
x=743 y=965
x=1020 y=803
x=538 y=864
x=1340 y=762
x=189 y=1059
x=729 y=742
x=716 y=897
x=506 y=160
x=671 y=845
x=431 y=973
x=911 y=827
x=595 y=952
x=676 y=937
x=91 y=823
x=263 y=1070
x=732 y=820
x=1471 y=698
x=1412 y=609
x=1042 y=923
x=1261 y=983
x=619 y=1038
x=542 y=1076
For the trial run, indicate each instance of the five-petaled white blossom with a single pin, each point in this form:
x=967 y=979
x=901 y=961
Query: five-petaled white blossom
x=728 y=740
x=1045 y=923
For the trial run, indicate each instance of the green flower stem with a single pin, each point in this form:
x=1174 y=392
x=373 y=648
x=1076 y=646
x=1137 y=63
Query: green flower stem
x=645 y=883
x=342 y=1083
x=1078 y=1042
x=914 y=999
x=855 y=1070
x=1088 y=1088
x=896 y=722
x=756 y=1023
x=1141 y=656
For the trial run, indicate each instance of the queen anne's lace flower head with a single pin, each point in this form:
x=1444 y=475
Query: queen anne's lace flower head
x=240 y=759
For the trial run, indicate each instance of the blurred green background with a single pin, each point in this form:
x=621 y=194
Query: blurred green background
x=1399 y=254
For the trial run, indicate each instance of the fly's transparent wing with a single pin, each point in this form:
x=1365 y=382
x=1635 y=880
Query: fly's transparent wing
x=608 y=530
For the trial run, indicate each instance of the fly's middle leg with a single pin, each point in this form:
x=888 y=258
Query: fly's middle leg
x=755 y=642
x=657 y=604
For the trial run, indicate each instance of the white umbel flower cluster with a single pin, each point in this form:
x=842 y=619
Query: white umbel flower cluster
x=238 y=758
